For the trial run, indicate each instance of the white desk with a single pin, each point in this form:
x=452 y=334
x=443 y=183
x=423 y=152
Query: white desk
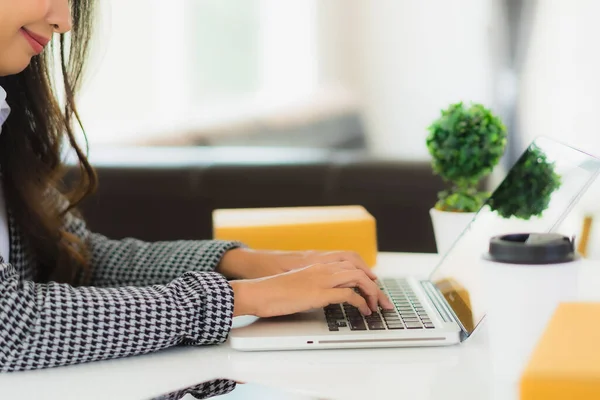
x=457 y=372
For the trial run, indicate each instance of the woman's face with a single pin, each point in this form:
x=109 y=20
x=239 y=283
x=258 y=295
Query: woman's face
x=26 y=26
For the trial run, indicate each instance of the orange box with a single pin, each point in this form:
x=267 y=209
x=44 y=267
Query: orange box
x=349 y=228
x=566 y=361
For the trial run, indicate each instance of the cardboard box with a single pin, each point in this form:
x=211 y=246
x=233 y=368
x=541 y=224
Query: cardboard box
x=566 y=361
x=333 y=228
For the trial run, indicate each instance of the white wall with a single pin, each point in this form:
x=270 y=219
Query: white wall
x=560 y=91
x=118 y=89
x=410 y=58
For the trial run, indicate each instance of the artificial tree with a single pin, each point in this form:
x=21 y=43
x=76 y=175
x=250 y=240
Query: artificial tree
x=528 y=188
x=465 y=144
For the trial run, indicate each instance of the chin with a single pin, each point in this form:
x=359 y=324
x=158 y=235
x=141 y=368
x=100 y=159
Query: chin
x=15 y=66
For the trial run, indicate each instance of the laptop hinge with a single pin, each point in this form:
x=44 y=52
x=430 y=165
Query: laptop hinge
x=444 y=309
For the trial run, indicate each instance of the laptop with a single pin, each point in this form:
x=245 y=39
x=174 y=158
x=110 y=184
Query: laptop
x=446 y=308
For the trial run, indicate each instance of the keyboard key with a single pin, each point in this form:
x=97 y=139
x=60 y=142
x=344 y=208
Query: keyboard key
x=342 y=324
x=429 y=326
x=414 y=325
x=395 y=325
x=358 y=325
x=376 y=326
x=334 y=329
x=408 y=314
x=411 y=320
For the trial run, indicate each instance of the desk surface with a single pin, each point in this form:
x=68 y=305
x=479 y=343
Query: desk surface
x=457 y=372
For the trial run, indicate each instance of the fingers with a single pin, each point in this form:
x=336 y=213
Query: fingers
x=357 y=278
x=350 y=278
x=346 y=295
x=384 y=301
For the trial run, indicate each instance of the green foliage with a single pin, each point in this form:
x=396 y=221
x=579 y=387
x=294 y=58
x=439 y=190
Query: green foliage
x=461 y=200
x=527 y=189
x=465 y=144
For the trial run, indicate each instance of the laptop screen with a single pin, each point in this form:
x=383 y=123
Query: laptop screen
x=536 y=195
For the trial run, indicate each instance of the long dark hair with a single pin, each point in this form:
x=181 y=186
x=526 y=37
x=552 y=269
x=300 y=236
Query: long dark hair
x=32 y=144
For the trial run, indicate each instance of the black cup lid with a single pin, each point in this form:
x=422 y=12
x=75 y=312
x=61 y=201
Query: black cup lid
x=531 y=248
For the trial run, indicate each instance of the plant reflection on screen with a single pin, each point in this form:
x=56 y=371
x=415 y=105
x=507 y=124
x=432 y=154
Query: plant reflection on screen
x=528 y=188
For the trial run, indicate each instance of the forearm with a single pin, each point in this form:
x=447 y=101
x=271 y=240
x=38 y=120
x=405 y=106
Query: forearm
x=131 y=262
x=47 y=325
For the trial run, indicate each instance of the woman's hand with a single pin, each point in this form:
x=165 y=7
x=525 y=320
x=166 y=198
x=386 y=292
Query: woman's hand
x=250 y=264
x=315 y=286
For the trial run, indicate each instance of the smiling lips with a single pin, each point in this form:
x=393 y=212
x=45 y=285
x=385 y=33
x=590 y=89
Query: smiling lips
x=37 y=42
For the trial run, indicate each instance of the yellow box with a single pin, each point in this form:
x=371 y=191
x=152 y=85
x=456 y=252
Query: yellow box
x=566 y=361
x=349 y=228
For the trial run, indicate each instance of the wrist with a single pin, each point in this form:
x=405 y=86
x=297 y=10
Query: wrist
x=244 y=302
x=242 y=263
x=233 y=263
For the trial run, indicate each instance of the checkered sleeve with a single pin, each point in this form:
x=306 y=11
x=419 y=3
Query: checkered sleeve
x=48 y=325
x=136 y=263
x=204 y=390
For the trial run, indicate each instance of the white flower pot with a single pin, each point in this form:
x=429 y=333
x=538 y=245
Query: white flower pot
x=448 y=226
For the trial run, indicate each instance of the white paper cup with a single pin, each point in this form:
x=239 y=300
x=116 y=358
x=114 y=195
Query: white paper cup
x=520 y=302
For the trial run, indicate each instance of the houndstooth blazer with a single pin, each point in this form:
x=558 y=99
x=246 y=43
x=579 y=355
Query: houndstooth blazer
x=143 y=297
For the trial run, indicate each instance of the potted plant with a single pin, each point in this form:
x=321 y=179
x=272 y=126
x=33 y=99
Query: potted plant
x=465 y=144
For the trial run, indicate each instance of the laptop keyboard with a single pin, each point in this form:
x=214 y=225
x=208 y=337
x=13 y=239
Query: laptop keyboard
x=409 y=313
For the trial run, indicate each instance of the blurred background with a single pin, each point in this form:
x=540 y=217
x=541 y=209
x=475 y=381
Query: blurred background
x=326 y=73
x=339 y=74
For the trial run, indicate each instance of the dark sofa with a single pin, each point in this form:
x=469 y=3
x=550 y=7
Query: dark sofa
x=157 y=193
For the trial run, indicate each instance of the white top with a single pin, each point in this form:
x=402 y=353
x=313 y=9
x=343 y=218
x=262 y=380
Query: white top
x=4 y=236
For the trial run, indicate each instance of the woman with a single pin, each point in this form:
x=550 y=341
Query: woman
x=68 y=295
